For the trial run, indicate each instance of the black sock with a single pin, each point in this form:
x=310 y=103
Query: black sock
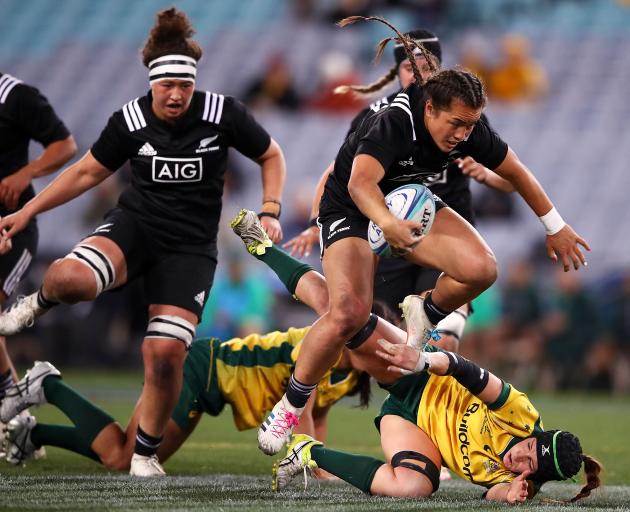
x=6 y=381
x=43 y=302
x=434 y=313
x=146 y=445
x=298 y=393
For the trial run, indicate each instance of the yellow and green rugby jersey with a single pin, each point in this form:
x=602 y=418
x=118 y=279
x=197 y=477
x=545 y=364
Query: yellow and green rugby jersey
x=253 y=373
x=473 y=436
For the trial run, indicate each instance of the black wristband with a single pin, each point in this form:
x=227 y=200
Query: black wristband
x=313 y=222
x=268 y=214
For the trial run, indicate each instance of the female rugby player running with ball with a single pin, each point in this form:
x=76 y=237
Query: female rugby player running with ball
x=426 y=125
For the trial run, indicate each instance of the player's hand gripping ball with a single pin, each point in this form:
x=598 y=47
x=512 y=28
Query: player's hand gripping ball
x=410 y=202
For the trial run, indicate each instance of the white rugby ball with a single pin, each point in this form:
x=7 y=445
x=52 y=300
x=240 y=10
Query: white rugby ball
x=411 y=202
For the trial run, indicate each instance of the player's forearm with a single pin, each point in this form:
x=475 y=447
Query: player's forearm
x=365 y=192
x=71 y=183
x=273 y=173
x=525 y=183
x=498 y=183
x=53 y=157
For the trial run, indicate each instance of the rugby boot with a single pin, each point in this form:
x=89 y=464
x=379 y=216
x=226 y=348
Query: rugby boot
x=20 y=315
x=420 y=330
x=247 y=226
x=276 y=430
x=144 y=466
x=28 y=391
x=297 y=460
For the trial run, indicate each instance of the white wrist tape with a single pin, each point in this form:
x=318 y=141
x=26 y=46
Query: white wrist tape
x=552 y=221
x=423 y=364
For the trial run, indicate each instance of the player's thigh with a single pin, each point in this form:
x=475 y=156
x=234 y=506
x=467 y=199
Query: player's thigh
x=348 y=265
x=399 y=434
x=179 y=280
x=453 y=246
x=123 y=241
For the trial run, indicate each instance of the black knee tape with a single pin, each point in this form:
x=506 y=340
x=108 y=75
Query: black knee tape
x=468 y=374
x=366 y=331
x=430 y=470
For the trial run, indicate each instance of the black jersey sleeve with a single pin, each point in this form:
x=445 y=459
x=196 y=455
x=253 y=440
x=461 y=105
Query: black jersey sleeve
x=485 y=145
x=246 y=135
x=388 y=137
x=110 y=148
x=35 y=115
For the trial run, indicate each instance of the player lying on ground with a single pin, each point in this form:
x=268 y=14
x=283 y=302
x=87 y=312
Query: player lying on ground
x=250 y=374
x=444 y=409
x=468 y=419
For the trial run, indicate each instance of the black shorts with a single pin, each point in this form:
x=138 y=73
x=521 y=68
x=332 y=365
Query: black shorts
x=171 y=277
x=338 y=225
x=15 y=264
x=396 y=278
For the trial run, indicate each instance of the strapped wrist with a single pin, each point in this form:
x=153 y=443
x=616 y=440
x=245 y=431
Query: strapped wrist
x=552 y=221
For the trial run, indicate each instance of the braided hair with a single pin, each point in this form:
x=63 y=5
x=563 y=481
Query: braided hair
x=171 y=34
x=450 y=84
x=408 y=44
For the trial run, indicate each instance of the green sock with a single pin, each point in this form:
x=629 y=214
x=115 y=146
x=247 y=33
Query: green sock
x=286 y=267
x=88 y=419
x=68 y=438
x=357 y=470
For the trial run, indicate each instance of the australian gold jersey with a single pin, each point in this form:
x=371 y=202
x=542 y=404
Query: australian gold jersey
x=473 y=436
x=253 y=372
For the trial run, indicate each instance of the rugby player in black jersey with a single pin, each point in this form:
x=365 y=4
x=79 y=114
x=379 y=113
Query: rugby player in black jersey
x=165 y=225
x=425 y=127
x=395 y=278
x=25 y=115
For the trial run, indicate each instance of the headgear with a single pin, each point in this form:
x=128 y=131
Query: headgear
x=426 y=38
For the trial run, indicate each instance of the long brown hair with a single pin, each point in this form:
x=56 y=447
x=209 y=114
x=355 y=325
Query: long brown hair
x=592 y=469
x=408 y=44
x=171 y=34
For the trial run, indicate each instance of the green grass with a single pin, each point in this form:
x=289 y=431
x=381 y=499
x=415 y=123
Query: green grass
x=221 y=469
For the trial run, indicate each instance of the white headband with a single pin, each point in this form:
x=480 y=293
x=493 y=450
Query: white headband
x=178 y=67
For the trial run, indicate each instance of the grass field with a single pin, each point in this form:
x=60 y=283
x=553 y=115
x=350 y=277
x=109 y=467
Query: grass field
x=221 y=469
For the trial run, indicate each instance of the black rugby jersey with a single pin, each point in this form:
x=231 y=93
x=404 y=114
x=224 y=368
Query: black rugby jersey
x=392 y=131
x=177 y=169
x=25 y=114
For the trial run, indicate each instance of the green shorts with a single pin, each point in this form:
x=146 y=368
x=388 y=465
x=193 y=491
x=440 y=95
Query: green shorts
x=200 y=390
x=404 y=398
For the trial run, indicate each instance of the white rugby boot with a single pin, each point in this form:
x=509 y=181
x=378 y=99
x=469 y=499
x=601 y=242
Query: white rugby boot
x=144 y=466
x=420 y=330
x=20 y=315
x=276 y=430
x=297 y=460
x=28 y=391
x=247 y=226
x=18 y=446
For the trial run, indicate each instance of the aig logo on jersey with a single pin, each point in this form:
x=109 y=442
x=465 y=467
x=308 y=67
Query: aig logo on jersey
x=177 y=170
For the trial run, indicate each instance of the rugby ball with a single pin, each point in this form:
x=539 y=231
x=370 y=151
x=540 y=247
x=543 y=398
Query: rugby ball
x=412 y=202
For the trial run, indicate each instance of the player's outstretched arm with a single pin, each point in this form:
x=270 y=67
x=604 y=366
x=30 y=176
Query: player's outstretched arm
x=76 y=179
x=563 y=244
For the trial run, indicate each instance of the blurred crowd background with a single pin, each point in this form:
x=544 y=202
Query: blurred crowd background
x=557 y=73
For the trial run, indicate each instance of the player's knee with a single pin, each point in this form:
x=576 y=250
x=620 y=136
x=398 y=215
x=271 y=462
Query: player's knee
x=162 y=361
x=69 y=282
x=410 y=484
x=481 y=270
x=351 y=318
